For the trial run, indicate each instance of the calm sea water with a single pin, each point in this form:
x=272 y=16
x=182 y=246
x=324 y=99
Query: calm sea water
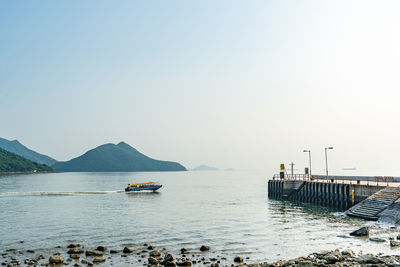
x=227 y=210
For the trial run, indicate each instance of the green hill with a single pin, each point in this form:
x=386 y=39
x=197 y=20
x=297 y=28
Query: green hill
x=10 y=162
x=19 y=149
x=110 y=157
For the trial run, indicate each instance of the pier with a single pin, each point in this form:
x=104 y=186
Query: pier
x=365 y=197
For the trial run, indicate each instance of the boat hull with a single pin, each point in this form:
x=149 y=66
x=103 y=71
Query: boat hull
x=150 y=188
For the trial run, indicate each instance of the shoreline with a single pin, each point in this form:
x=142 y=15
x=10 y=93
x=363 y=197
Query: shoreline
x=27 y=172
x=153 y=256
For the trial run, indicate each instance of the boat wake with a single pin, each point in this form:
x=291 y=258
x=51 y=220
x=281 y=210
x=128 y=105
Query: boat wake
x=57 y=193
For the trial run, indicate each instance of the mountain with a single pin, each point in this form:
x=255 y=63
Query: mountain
x=11 y=162
x=205 y=168
x=111 y=157
x=19 y=149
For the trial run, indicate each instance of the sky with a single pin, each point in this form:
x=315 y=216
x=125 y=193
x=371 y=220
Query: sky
x=232 y=84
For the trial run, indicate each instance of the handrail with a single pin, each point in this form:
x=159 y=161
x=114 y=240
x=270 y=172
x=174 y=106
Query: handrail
x=304 y=177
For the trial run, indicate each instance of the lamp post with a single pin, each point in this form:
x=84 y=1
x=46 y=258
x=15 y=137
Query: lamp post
x=309 y=158
x=326 y=161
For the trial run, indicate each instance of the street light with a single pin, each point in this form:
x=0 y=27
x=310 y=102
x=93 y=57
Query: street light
x=326 y=161
x=309 y=157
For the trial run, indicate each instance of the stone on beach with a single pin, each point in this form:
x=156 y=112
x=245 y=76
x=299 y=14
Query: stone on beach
x=368 y=259
x=184 y=263
x=127 y=250
x=101 y=248
x=170 y=263
x=75 y=251
x=238 y=259
x=155 y=253
x=394 y=243
x=376 y=239
x=168 y=257
x=204 y=248
x=57 y=259
x=94 y=252
x=363 y=231
x=153 y=260
x=98 y=260
x=348 y=252
x=75 y=256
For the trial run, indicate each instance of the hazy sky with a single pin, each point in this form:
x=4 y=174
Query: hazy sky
x=242 y=84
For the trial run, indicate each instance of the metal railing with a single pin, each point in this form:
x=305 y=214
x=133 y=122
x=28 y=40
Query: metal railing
x=336 y=178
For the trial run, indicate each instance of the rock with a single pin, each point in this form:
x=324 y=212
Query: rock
x=153 y=260
x=101 y=248
x=98 y=260
x=73 y=245
x=75 y=251
x=390 y=261
x=368 y=259
x=348 y=252
x=94 y=253
x=215 y=265
x=168 y=257
x=398 y=237
x=155 y=253
x=170 y=263
x=376 y=239
x=112 y=251
x=204 y=248
x=84 y=261
x=363 y=231
x=150 y=247
x=127 y=250
x=75 y=256
x=238 y=259
x=305 y=263
x=184 y=263
x=30 y=251
x=333 y=257
x=57 y=259
x=394 y=243
x=90 y=263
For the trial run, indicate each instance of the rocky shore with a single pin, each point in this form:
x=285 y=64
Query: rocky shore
x=152 y=256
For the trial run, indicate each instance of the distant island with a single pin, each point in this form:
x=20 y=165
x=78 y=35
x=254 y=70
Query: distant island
x=16 y=147
x=349 y=169
x=113 y=158
x=205 y=168
x=13 y=163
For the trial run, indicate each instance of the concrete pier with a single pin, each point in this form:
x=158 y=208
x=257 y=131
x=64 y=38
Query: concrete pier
x=337 y=195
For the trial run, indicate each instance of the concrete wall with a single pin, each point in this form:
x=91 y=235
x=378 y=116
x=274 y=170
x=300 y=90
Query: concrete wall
x=362 y=192
x=338 y=196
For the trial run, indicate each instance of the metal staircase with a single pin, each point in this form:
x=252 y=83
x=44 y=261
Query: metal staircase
x=371 y=207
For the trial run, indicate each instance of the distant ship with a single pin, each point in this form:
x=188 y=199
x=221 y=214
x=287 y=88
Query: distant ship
x=148 y=186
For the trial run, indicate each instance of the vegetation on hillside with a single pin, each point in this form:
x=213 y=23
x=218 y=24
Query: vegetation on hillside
x=110 y=157
x=10 y=162
x=19 y=149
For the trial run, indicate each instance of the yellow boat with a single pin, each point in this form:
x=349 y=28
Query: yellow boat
x=147 y=186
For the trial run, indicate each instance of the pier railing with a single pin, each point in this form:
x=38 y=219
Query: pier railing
x=340 y=178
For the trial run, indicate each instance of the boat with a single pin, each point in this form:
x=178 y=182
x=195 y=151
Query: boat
x=147 y=186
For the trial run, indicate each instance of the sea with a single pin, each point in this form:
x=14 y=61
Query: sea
x=226 y=210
